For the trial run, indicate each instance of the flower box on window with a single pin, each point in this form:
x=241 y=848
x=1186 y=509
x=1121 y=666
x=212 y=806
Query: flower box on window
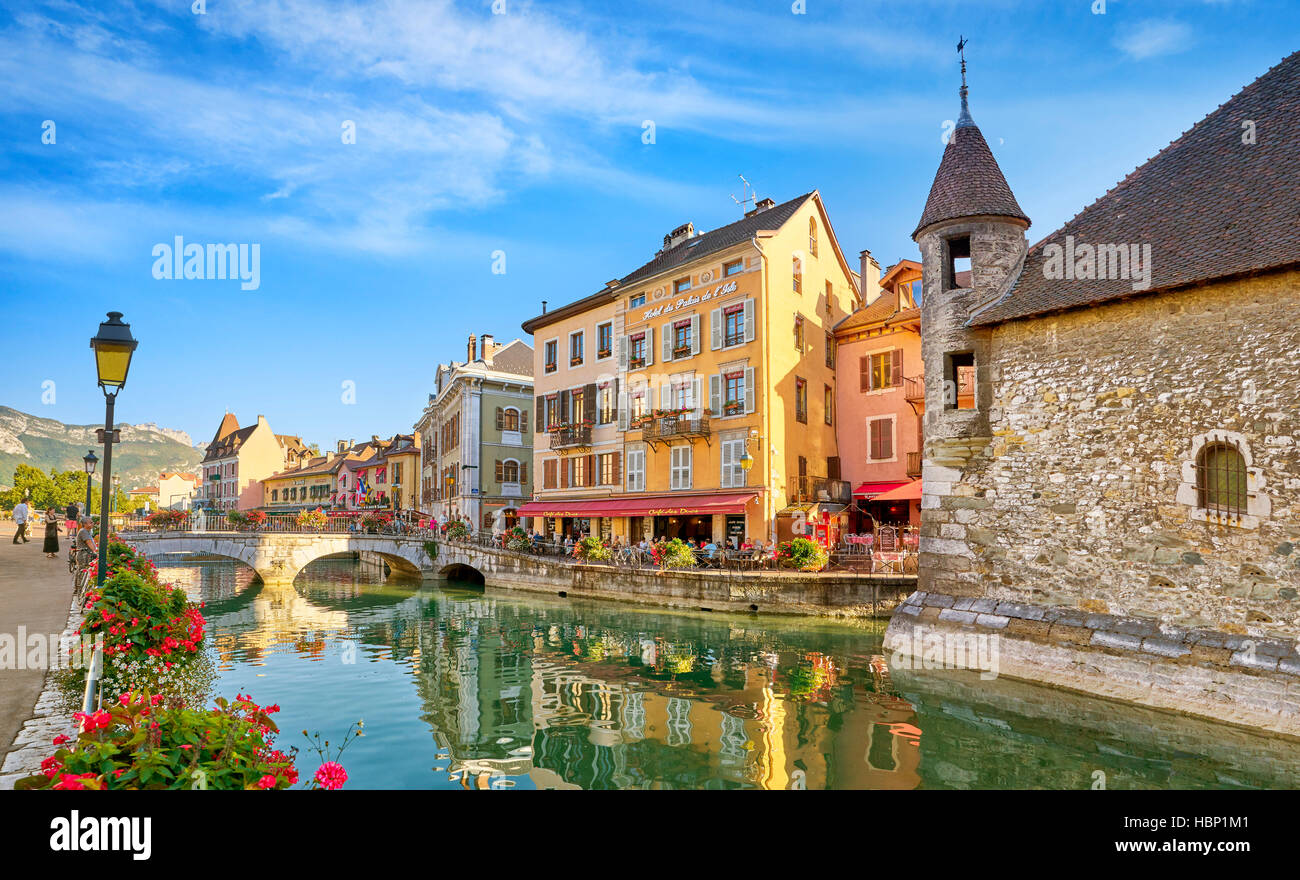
x=575 y=361
x=682 y=350
x=635 y=363
x=733 y=407
x=604 y=352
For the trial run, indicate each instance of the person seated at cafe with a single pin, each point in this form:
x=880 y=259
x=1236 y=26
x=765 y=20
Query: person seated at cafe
x=710 y=549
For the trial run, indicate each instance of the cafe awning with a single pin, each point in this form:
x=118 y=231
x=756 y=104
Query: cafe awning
x=645 y=505
x=873 y=490
x=906 y=492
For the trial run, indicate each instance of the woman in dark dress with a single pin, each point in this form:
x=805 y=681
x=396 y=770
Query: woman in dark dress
x=51 y=546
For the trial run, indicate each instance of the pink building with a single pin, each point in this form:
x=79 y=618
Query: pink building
x=881 y=398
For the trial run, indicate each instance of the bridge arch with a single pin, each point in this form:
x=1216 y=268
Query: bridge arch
x=459 y=571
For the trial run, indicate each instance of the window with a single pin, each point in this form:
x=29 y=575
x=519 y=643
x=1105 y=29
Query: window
x=680 y=470
x=829 y=403
x=638 y=406
x=830 y=350
x=636 y=351
x=958 y=260
x=575 y=349
x=682 y=339
x=797 y=271
x=681 y=285
x=798 y=333
x=551 y=411
x=812 y=236
x=608 y=468
x=801 y=400
x=733 y=318
x=880 y=370
x=731 y=452
x=551 y=347
x=604 y=340
x=605 y=410
x=959 y=380
x=508 y=471
x=507 y=420
x=880 y=439
x=577 y=407
x=1221 y=479
x=733 y=393
x=578 y=472
x=636 y=301
x=636 y=470
x=732 y=268
x=275 y=494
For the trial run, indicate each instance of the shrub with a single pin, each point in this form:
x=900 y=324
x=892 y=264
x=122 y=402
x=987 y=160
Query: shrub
x=672 y=554
x=237 y=518
x=431 y=547
x=803 y=554
x=312 y=519
x=592 y=549
x=256 y=518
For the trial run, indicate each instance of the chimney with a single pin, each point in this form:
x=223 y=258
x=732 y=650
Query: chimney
x=870 y=272
x=329 y=455
x=543 y=307
x=473 y=350
x=489 y=348
x=760 y=206
x=678 y=235
x=261 y=420
x=342 y=447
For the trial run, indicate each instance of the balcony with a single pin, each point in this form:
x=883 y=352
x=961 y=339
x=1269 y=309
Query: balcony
x=820 y=489
x=914 y=389
x=570 y=436
x=914 y=464
x=683 y=427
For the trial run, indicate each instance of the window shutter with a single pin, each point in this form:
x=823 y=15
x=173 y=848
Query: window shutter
x=695 y=334
x=563 y=415
x=618 y=469
x=589 y=402
x=833 y=467
x=666 y=396
x=540 y=421
x=523 y=472
x=667 y=343
x=726 y=465
x=715 y=394
x=501 y=418
x=864 y=374
x=749 y=389
x=697 y=398
x=649 y=346
x=715 y=329
x=896 y=367
x=749 y=320
x=622 y=353
x=523 y=421
x=500 y=471
x=564 y=473
x=548 y=474
x=591 y=470
x=622 y=411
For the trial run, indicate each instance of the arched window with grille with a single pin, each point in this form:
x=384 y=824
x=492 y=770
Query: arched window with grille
x=1221 y=479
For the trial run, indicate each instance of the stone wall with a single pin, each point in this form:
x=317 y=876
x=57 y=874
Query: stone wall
x=1077 y=494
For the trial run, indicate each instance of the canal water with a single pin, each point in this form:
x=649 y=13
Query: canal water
x=465 y=688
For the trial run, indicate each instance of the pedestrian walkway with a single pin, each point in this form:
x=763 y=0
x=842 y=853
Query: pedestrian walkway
x=35 y=594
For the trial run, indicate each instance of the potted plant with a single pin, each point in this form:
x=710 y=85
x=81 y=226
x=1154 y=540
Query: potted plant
x=672 y=554
x=457 y=530
x=315 y=520
x=802 y=554
x=592 y=549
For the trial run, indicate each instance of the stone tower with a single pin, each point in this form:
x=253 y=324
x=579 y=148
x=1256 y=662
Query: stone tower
x=971 y=214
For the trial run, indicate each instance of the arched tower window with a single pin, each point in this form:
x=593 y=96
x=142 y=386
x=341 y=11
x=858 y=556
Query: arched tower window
x=1221 y=479
x=812 y=236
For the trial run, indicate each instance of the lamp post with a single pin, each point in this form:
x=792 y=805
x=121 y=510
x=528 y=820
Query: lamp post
x=113 y=346
x=91 y=460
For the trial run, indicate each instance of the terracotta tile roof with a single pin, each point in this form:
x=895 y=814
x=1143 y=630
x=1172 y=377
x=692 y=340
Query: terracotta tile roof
x=1209 y=206
x=882 y=310
x=229 y=443
x=969 y=182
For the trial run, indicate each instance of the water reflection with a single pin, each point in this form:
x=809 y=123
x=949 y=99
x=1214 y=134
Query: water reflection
x=526 y=692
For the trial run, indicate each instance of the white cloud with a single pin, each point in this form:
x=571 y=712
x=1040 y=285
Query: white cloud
x=1153 y=37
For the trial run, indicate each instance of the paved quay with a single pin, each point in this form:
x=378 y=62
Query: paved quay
x=36 y=594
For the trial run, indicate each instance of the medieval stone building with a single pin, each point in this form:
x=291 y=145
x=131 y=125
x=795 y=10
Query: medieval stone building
x=1119 y=501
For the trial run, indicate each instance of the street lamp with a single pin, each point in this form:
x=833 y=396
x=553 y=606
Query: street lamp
x=91 y=460
x=113 y=346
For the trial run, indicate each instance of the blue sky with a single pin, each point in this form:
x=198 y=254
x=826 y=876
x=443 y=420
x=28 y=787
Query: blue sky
x=519 y=132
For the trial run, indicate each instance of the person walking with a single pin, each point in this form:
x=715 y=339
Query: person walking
x=70 y=516
x=21 y=512
x=51 y=546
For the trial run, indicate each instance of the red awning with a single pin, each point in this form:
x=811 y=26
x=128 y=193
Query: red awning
x=653 y=505
x=907 y=492
x=871 y=490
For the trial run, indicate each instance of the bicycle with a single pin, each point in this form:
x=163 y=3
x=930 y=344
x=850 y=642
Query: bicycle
x=81 y=579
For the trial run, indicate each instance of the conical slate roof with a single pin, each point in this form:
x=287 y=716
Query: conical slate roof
x=969 y=182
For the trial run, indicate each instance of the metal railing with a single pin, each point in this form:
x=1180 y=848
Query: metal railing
x=807 y=489
x=672 y=427
x=914 y=388
x=565 y=436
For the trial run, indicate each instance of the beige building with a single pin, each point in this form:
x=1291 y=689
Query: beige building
x=238 y=459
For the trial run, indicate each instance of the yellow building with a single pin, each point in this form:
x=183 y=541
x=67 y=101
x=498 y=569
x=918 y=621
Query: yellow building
x=711 y=412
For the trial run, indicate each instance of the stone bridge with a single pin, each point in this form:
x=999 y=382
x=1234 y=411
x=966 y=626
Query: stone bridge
x=278 y=557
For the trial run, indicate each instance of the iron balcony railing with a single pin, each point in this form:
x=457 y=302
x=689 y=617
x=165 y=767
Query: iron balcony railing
x=820 y=489
x=565 y=436
x=674 y=427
